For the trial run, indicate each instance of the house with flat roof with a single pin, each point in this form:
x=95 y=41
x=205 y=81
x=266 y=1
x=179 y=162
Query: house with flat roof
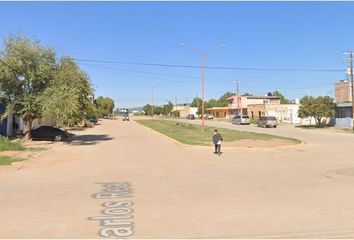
x=239 y=105
x=184 y=109
x=258 y=106
x=343 y=115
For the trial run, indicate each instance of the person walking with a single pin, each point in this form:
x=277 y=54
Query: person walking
x=217 y=139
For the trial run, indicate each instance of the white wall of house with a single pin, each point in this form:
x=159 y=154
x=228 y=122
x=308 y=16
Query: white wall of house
x=285 y=113
x=309 y=121
x=193 y=110
x=344 y=122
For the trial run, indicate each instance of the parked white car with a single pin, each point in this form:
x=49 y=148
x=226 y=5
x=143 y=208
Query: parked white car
x=241 y=119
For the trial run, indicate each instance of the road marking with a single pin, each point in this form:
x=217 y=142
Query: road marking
x=117 y=216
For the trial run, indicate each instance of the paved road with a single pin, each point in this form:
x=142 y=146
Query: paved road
x=181 y=192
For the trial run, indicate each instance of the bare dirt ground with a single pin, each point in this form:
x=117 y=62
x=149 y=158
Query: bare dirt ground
x=184 y=192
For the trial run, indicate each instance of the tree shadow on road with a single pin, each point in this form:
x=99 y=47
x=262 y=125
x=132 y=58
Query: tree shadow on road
x=88 y=139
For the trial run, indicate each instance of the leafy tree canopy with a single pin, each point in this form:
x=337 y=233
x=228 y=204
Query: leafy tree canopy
x=105 y=105
x=318 y=108
x=27 y=69
x=283 y=100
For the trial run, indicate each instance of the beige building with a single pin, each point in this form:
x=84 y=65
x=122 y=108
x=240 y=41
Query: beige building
x=219 y=112
x=184 y=110
x=342 y=91
x=285 y=113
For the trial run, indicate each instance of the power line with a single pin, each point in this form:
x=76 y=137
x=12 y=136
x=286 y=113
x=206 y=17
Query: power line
x=183 y=76
x=142 y=72
x=212 y=67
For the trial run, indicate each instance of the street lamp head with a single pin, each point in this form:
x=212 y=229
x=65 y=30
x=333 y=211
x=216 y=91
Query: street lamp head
x=222 y=45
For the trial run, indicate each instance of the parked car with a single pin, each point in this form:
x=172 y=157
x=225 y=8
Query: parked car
x=48 y=132
x=267 y=121
x=93 y=119
x=241 y=119
x=125 y=116
x=208 y=116
x=191 y=116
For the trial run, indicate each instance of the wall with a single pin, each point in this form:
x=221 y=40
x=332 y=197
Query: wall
x=256 y=110
x=342 y=92
x=343 y=122
x=286 y=113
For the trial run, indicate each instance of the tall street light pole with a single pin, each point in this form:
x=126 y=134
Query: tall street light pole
x=202 y=55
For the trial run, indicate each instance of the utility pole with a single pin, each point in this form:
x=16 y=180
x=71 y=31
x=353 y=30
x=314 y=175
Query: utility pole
x=202 y=55
x=238 y=98
x=197 y=103
x=152 y=101
x=350 y=73
x=352 y=83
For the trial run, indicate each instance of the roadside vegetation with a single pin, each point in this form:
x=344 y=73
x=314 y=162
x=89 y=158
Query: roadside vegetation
x=35 y=83
x=319 y=108
x=15 y=147
x=193 y=135
x=7 y=145
x=4 y=160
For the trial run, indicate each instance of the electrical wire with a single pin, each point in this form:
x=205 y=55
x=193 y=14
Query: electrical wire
x=212 y=67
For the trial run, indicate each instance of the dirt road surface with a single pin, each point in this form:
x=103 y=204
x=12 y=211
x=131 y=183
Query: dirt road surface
x=183 y=192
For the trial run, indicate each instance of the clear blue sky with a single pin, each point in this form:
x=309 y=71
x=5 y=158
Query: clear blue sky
x=256 y=34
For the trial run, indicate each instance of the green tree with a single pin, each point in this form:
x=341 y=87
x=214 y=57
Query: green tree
x=197 y=102
x=212 y=103
x=167 y=108
x=158 y=110
x=222 y=101
x=318 y=108
x=147 y=109
x=283 y=100
x=105 y=105
x=27 y=68
x=175 y=113
x=71 y=88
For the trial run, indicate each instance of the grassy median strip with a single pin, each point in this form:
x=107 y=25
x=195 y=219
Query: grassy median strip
x=5 y=160
x=192 y=134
